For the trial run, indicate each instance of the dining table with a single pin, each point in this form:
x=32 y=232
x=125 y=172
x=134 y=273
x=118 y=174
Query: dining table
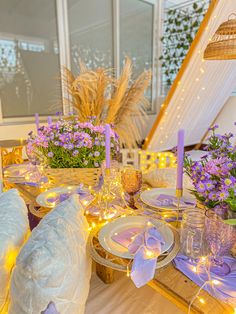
x=168 y=280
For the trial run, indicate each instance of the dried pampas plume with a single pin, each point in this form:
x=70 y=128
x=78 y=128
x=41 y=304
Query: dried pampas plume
x=120 y=102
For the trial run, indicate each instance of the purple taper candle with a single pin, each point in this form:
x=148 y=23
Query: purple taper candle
x=49 y=120
x=37 y=121
x=180 y=161
x=108 y=145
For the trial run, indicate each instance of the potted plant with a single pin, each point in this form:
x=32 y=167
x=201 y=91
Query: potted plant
x=72 y=151
x=214 y=176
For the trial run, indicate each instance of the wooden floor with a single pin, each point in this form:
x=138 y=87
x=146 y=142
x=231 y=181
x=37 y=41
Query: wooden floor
x=122 y=297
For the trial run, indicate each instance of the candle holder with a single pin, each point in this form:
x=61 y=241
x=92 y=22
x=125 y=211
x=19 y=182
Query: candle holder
x=109 y=197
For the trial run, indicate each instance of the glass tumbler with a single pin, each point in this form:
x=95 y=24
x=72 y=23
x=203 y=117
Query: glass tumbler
x=192 y=233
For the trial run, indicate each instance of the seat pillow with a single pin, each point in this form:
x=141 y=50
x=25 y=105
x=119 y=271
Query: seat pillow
x=54 y=266
x=14 y=226
x=165 y=178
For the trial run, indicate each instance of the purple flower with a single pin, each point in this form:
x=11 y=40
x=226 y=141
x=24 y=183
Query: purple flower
x=213 y=196
x=228 y=182
x=96 y=154
x=70 y=146
x=96 y=164
x=75 y=152
x=201 y=187
x=209 y=185
x=222 y=195
x=50 y=154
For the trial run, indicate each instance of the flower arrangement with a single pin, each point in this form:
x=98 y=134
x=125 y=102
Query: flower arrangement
x=120 y=102
x=69 y=143
x=214 y=176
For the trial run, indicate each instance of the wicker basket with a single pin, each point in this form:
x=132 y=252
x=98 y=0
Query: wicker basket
x=74 y=176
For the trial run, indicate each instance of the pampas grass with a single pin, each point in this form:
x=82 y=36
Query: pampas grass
x=121 y=102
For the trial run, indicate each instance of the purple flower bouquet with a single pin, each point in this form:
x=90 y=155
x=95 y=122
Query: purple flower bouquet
x=71 y=151
x=214 y=176
x=69 y=143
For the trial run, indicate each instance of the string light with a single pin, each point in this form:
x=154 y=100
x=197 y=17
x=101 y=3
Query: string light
x=201 y=69
x=215 y=282
x=202 y=300
x=194 y=269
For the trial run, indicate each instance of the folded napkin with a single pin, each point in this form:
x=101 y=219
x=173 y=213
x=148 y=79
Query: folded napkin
x=146 y=245
x=64 y=196
x=169 y=200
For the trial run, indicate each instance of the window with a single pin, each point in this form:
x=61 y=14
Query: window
x=38 y=37
x=136 y=36
x=29 y=66
x=90 y=27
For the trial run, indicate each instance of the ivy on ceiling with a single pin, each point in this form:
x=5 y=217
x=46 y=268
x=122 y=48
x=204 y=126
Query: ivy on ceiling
x=180 y=27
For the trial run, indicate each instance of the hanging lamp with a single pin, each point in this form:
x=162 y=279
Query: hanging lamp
x=223 y=44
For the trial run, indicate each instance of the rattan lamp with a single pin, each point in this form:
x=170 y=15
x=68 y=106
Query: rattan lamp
x=223 y=44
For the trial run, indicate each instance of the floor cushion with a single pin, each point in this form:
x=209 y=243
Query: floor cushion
x=13 y=229
x=54 y=266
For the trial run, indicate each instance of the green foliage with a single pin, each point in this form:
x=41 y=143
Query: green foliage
x=180 y=28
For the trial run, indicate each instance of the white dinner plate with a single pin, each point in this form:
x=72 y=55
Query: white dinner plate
x=149 y=196
x=124 y=223
x=45 y=199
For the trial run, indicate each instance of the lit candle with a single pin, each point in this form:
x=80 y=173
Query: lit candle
x=49 y=120
x=180 y=162
x=37 y=121
x=108 y=145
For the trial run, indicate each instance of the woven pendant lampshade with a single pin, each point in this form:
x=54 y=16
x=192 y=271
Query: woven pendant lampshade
x=223 y=44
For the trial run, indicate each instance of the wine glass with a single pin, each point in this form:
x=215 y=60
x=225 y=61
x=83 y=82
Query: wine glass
x=131 y=180
x=220 y=237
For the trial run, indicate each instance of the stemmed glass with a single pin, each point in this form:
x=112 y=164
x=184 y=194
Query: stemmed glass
x=220 y=237
x=131 y=180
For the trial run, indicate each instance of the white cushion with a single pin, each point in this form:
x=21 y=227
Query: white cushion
x=54 y=265
x=165 y=178
x=13 y=228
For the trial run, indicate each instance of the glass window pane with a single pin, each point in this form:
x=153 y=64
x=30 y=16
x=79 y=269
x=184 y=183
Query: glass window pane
x=136 y=35
x=90 y=26
x=29 y=63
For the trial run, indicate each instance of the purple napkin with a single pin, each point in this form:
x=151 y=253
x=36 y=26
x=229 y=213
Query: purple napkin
x=125 y=237
x=64 y=196
x=224 y=291
x=145 y=244
x=169 y=200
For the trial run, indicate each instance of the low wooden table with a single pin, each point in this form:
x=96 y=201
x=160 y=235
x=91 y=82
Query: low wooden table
x=168 y=281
